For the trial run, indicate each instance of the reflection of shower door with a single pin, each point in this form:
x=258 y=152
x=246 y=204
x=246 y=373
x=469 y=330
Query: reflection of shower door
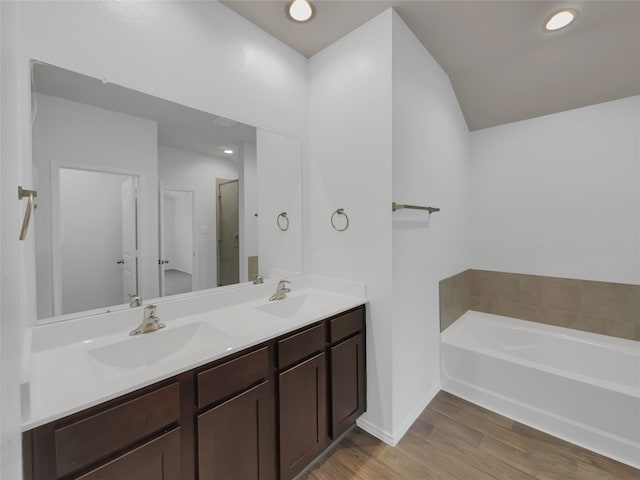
x=227 y=232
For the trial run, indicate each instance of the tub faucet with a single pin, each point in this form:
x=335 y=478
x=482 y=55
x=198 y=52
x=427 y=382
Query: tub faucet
x=281 y=291
x=150 y=323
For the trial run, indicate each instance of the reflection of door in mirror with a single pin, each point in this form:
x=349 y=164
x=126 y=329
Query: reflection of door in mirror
x=97 y=239
x=176 y=263
x=227 y=232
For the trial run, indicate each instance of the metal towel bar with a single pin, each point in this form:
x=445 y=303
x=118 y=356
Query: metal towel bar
x=397 y=206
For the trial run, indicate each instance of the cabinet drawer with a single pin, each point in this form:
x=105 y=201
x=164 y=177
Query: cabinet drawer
x=301 y=345
x=347 y=324
x=158 y=459
x=86 y=441
x=232 y=377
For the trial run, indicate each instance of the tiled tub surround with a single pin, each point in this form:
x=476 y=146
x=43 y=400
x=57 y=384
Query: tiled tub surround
x=455 y=298
x=598 y=307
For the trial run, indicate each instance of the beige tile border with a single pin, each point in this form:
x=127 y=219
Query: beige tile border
x=599 y=307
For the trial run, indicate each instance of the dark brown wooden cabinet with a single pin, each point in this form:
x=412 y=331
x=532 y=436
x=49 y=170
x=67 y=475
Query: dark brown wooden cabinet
x=303 y=415
x=236 y=431
x=236 y=439
x=347 y=384
x=322 y=396
x=263 y=413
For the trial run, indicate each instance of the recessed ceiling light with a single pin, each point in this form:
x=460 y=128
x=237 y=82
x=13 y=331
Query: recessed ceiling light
x=224 y=122
x=228 y=151
x=560 y=19
x=300 y=11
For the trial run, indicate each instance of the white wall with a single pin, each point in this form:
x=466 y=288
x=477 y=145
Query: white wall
x=233 y=69
x=199 y=54
x=558 y=195
x=350 y=167
x=430 y=168
x=385 y=125
x=182 y=169
x=71 y=132
x=12 y=277
x=279 y=179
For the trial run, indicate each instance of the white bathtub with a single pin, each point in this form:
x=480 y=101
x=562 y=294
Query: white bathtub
x=579 y=386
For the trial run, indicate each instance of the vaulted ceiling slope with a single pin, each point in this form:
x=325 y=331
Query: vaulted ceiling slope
x=502 y=65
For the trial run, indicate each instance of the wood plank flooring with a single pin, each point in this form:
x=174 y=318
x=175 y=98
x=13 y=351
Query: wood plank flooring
x=457 y=440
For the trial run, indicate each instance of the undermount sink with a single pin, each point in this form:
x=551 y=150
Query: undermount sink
x=151 y=348
x=290 y=306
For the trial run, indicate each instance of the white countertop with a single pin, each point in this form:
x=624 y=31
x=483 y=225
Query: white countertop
x=77 y=364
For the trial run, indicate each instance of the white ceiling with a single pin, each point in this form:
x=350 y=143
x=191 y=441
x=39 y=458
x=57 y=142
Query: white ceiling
x=178 y=126
x=502 y=66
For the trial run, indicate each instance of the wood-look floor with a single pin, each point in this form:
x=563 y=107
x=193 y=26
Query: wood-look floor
x=454 y=439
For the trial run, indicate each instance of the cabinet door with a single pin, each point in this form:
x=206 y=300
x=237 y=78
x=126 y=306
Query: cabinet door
x=303 y=415
x=236 y=439
x=347 y=384
x=158 y=459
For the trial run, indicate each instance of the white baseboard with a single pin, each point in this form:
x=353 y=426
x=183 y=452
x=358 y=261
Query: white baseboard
x=413 y=416
x=393 y=438
x=375 y=431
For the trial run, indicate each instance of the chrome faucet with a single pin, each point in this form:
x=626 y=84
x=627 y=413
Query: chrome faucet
x=281 y=291
x=135 y=300
x=150 y=323
x=258 y=280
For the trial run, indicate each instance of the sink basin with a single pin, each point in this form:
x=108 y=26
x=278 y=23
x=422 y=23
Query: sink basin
x=290 y=306
x=151 y=348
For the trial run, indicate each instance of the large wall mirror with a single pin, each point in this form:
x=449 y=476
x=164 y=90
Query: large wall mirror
x=140 y=196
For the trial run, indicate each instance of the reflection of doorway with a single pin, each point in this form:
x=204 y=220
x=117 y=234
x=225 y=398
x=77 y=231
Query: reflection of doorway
x=95 y=232
x=176 y=262
x=228 y=244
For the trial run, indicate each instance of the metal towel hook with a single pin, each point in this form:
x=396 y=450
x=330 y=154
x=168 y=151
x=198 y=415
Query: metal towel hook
x=31 y=194
x=340 y=211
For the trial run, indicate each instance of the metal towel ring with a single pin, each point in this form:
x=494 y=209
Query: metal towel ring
x=340 y=211
x=280 y=224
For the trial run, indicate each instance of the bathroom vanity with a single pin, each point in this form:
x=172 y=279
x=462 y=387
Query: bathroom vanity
x=259 y=412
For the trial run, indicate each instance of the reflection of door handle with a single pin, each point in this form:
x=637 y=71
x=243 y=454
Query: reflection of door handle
x=120 y=262
x=236 y=240
x=163 y=262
